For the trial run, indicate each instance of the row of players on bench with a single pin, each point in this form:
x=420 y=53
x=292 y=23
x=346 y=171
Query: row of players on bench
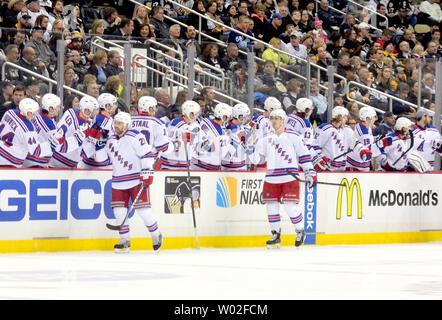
x=30 y=137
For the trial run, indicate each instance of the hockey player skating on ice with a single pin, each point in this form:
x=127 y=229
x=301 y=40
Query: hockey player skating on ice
x=132 y=159
x=283 y=150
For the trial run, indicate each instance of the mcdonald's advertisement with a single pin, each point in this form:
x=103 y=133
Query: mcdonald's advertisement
x=382 y=203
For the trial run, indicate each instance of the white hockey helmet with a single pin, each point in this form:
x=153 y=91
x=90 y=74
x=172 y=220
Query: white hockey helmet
x=147 y=102
x=302 y=104
x=240 y=109
x=28 y=105
x=278 y=113
x=123 y=117
x=189 y=107
x=367 y=112
x=272 y=103
x=221 y=110
x=106 y=99
x=88 y=103
x=50 y=100
x=339 y=111
x=402 y=123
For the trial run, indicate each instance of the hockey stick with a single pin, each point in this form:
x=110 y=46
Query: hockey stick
x=409 y=148
x=317 y=182
x=191 y=196
x=134 y=202
x=351 y=149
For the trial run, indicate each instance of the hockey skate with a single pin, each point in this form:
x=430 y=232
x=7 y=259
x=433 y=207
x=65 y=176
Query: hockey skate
x=157 y=242
x=275 y=242
x=123 y=246
x=300 y=237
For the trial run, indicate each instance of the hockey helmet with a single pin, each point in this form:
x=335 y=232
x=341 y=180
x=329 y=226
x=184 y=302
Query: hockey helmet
x=339 y=111
x=302 y=104
x=367 y=112
x=221 y=110
x=189 y=107
x=28 y=105
x=123 y=117
x=106 y=99
x=240 y=109
x=402 y=123
x=88 y=103
x=278 y=113
x=147 y=102
x=272 y=103
x=50 y=100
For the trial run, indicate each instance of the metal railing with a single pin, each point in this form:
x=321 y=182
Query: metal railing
x=373 y=13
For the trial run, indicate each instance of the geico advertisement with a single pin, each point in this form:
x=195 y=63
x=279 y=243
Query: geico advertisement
x=382 y=202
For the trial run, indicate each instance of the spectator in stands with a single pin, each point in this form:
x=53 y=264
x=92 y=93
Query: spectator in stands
x=124 y=30
x=161 y=27
x=189 y=39
x=387 y=124
x=323 y=61
x=79 y=67
x=273 y=29
x=294 y=47
x=10 y=14
x=210 y=56
x=113 y=67
x=319 y=103
x=429 y=83
x=343 y=63
x=7 y=89
x=307 y=41
x=231 y=57
x=386 y=36
x=140 y=18
x=400 y=108
x=241 y=41
x=431 y=52
x=305 y=25
x=259 y=20
x=163 y=98
x=18 y=94
x=194 y=20
x=175 y=109
x=19 y=40
x=57 y=9
x=331 y=19
x=43 y=53
x=71 y=101
x=208 y=95
x=400 y=21
x=23 y=24
x=376 y=62
x=35 y=10
x=293 y=94
x=28 y=61
x=32 y=86
x=280 y=59
x=243 y=8
x=214 y=29
x=93 y=89
x=404 y=51
x=286 y=17
x=98 y=27
x=11 y=55
x=99 y=61
x=111 y=20
x=175 y=38
x=112 y=85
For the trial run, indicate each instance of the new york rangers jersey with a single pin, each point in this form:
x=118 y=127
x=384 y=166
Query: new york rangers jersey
x=264 y=127
x=282 y=152
x=361 y=138
x=177 y=159
x=69 y=155
x=18 y=138
x=303 y=125
x=330 y=142
x=155 y=132
x=423 y=142
x=107 y=127
x=220 y=147
x=128 y=154
x=235 y=161
x=395 y=153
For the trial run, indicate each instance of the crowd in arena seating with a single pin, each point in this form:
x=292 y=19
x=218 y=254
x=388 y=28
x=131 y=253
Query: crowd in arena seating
x=383 y=54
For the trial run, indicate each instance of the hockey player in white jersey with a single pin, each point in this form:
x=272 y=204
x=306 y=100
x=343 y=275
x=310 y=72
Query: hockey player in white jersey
x=74 y=123
x=330 y=144
x=18 y=137
x=426 y=139
x=132 y=161
x=153 y=128
x=181 y=132
x=300 y=121
x=283 y=150
x=395 y=147
x=102 y=122
x=212 y=144
x=261 y=120
x=235 y=130
x=359 y=159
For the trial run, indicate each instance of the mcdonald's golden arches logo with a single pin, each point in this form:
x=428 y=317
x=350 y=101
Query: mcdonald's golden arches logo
x=349 y=189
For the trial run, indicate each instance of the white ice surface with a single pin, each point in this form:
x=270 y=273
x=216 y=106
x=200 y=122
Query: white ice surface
x=399 y=271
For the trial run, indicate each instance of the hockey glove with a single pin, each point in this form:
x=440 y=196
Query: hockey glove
x=437 y=145
x=56 y=138
x=387 y=142
x=207 y=145
x=321 y=164
x=249 y=150
x=310 y=180
x=366 y=155
x=146 y=176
